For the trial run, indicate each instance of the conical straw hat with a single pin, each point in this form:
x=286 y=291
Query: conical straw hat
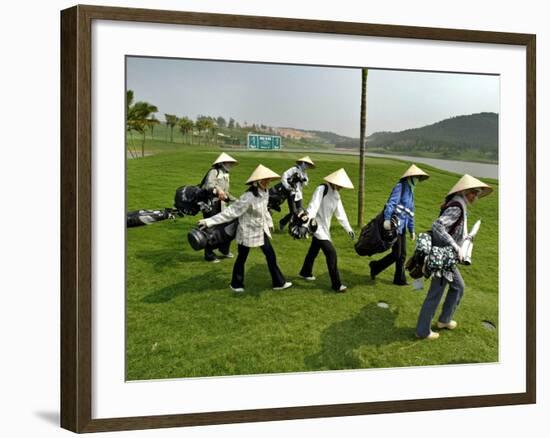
x=414 y=170
x=340 y=178
x=307 y=160
x=262 y=172
x=225 y=158
x=469 y=182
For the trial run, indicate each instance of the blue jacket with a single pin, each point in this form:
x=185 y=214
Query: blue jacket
x=401 y=202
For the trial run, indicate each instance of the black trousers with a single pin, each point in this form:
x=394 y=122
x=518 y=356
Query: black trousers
x=332 y=260
x=277 y=277
x=293 y=207
x=224 y=249
x=397 y=255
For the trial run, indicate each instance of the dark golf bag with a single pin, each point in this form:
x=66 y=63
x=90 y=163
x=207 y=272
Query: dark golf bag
x=374 y=239
x=138 y=218
x=301 y=226
x=214 y=237
x=190 y=200
x=277 y=195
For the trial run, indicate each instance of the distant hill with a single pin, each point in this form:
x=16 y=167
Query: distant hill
x=474 y=135
x=325 y=137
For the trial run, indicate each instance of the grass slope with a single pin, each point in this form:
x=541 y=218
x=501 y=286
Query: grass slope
x=183 y=321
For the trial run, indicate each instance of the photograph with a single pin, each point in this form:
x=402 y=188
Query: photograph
x=286 y=218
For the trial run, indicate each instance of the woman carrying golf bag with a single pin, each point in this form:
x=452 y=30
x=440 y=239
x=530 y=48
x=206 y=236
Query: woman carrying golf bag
x=294 y=180
x=254 y=228
x=324 y=204
x=401 y=205
x=449 y=230
x=216 y=182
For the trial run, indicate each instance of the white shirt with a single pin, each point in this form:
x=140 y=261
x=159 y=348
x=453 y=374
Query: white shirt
x=299 y=187
x=253 y=215
x=323 y=208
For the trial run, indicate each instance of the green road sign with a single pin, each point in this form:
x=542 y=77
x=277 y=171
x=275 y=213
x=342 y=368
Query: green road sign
x=263 y=142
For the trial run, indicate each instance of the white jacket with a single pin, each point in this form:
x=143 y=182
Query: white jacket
x=254 y=218
x=299 y=187
x=323 y=208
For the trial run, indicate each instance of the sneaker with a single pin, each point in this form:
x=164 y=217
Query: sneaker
x=284 y=286
x=432 y=336
x=237 y=289
x=342 y=288
x=310 y=278
x=212 y=260
x=451 y=325
x=229 y=255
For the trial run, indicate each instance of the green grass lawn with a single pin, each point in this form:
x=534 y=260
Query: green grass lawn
x=184 y=321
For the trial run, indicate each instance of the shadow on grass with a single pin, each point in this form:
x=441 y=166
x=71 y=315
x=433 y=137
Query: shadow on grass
x=169 y=258
x=257 y=280
x=201 y=283
x=372 y=326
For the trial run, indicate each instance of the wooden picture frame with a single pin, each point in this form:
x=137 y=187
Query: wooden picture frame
x=76 y=218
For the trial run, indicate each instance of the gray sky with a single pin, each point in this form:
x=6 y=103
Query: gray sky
x=316 y=98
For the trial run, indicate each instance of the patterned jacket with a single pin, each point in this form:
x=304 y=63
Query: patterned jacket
x=254 y=218
x=298 y=187
x=445 y=223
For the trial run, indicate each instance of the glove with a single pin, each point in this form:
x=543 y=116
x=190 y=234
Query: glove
x=459 y=253
x=413 y=235
x=387 y=225
x=351 y=234
x=202 y=223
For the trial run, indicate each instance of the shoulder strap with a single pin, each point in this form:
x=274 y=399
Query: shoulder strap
x=325 y=189
x=459 y=220
x=206 y=176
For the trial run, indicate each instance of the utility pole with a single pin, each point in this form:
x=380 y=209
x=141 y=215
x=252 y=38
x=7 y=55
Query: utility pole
x=362 y=148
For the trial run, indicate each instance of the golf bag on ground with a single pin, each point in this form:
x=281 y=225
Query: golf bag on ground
x=214 y=237
x=190 y=200
x=374 y=239
x=138 y=218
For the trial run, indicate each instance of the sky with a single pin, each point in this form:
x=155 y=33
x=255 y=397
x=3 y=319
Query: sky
x=308 y=97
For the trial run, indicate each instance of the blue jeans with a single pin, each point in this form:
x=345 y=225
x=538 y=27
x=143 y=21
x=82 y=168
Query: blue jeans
x=437 y=287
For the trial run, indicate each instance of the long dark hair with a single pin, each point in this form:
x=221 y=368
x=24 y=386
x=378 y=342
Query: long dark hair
x=254 y=189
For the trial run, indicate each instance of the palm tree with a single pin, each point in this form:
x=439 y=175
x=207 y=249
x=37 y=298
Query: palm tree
x=362 y=148
x=153 y=121
x=130 y=121
x=139 y=116
x=144 y=112
x=171 y=121
x=186 y=125
x=202 y=124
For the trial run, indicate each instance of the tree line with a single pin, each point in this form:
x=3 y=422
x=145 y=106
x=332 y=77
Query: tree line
x=140 y=117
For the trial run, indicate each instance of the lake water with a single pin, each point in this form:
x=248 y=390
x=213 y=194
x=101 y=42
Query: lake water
x=481 y=170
